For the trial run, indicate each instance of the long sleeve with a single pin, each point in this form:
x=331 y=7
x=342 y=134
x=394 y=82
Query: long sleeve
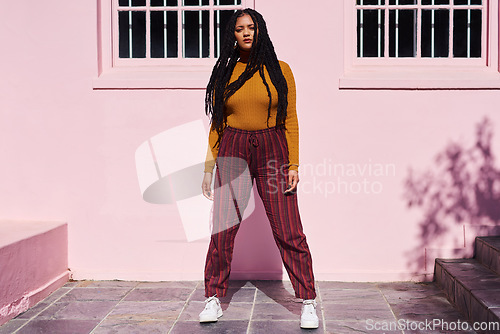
x=291 y=121
x=211 y=151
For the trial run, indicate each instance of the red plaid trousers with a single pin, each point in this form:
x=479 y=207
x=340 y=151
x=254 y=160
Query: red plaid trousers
x=244 y=157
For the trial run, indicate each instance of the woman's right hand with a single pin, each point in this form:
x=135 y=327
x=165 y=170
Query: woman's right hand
x=206 y=186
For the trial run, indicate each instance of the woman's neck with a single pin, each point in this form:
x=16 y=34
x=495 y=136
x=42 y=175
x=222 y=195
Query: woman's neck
x=244 y=55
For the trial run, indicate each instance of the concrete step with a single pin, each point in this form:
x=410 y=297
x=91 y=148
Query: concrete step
x=33 y=263
x=487 y=252
x=473 y=288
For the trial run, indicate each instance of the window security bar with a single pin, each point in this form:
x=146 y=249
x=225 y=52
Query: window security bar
x=459 y=21
x=204 y=40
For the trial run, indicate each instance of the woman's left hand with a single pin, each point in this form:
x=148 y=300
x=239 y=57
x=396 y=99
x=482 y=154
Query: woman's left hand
x=293 y=179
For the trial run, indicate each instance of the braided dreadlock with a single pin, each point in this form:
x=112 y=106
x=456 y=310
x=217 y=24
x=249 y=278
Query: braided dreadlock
x=261 y=54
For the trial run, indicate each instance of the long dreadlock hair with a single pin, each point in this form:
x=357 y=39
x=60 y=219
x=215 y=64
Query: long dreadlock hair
x=261 y=54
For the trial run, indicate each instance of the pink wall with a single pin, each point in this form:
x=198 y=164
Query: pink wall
x=68 y=150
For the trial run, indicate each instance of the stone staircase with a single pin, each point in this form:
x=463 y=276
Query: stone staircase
x=473 y=285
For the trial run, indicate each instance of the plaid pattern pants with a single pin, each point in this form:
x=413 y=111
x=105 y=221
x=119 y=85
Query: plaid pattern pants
x=261 y=156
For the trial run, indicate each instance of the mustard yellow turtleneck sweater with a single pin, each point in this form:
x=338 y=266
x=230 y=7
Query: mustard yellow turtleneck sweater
x=247 y=109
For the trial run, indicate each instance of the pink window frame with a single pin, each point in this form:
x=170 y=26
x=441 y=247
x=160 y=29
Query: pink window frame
x=149 y=73
x=424 y=73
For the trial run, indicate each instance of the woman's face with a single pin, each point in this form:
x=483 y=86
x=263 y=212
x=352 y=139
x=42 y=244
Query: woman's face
x=244 y=32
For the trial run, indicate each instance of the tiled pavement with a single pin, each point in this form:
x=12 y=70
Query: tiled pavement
x=100 y=307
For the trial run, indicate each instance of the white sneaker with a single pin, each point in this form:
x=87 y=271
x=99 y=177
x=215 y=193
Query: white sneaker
x=309 y=319
x=212 y=311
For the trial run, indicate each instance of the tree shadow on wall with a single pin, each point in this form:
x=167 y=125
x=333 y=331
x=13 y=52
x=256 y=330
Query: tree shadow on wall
x=462 y=188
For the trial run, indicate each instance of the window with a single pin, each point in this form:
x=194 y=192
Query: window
x=427 y=44
x=420 y=29
x=160 y=43
x=170 y=29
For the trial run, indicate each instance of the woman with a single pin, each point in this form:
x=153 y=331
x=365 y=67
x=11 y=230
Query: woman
x=253 y=136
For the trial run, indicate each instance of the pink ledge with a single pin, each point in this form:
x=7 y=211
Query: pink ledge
x=426 y=78
x=33 y=262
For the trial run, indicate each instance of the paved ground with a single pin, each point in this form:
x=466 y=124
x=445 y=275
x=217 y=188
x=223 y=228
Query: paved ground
x=100 y=307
